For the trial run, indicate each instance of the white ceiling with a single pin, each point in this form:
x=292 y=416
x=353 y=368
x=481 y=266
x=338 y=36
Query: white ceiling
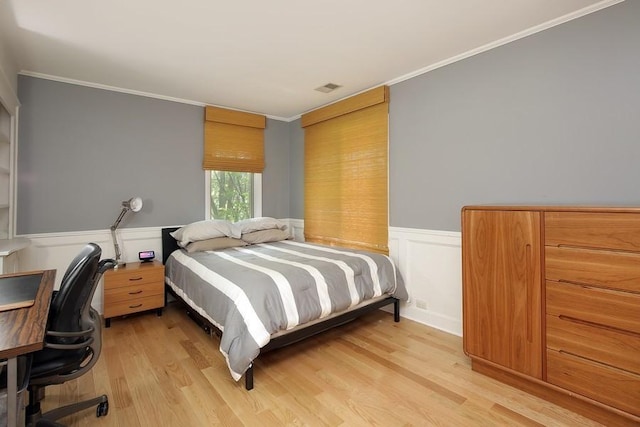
x=261 y=56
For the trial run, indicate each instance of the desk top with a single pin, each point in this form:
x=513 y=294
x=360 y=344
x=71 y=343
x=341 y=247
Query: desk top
x=22 y=330
x=19 y=291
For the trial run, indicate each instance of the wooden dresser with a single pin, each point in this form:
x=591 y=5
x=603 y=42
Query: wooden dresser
x=133 y=288
x=551 y=304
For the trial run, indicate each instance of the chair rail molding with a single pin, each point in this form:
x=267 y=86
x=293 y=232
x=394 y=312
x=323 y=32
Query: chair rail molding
x=430 y=262
x=55 y=250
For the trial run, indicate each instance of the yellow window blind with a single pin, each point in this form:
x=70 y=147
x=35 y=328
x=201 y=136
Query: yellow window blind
x=233 y=141
x=346 y=172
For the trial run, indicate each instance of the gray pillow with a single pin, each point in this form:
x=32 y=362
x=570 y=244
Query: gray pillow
x=214 y=244
x=264 y=236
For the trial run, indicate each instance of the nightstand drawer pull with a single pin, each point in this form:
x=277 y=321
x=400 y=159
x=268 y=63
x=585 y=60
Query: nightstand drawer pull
x=135 y=306
x=133 y=279
x=135 y=293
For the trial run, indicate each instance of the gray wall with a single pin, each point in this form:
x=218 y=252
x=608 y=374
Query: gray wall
x=296 y=169
x=275 y=178
x=552 y=118
x=84 y=150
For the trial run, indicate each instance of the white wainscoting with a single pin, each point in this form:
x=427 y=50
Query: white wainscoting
x=431 y=264
x=296 y=228
x=429 y=261
x=56 y=250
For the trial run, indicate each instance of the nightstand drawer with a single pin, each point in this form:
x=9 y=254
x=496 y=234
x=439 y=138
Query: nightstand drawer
x=610 y=269
x=594 y=305
x=611 y=386
x=129 y=293
x=601 y=344
x=122 y=277
x=121 y=308
x=620 y=231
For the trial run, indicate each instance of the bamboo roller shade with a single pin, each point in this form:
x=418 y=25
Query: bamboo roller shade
x=346 y=174
x=233 y=140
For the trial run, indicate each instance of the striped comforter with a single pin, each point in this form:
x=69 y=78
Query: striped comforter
x=252 y=292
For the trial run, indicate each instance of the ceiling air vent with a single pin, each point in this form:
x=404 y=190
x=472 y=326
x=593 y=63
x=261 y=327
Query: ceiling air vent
x=329 y=87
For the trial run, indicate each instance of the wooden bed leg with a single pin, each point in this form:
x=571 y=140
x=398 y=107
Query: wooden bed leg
x=248 y=378
x=396 y=310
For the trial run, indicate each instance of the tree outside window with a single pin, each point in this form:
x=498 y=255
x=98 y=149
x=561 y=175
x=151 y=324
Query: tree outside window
x=231 y=195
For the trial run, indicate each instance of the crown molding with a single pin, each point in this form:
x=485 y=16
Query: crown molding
x=136 y=92
x=514 y=37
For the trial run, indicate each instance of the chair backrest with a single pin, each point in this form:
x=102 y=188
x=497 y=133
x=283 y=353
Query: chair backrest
x=73 y=342
x=70 y=306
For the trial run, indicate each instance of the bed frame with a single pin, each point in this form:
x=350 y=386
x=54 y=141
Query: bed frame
x=169 y=245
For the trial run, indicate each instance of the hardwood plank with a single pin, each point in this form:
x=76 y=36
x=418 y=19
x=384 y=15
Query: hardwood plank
x=165 y=371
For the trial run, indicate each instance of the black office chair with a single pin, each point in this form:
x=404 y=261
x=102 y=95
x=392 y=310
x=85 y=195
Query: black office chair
x=73 y=338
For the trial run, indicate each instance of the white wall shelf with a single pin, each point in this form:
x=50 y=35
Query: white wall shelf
x=9 y=247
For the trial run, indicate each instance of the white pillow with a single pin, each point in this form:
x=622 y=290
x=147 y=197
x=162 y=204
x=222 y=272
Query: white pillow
x=257 y=224
x=203 y=230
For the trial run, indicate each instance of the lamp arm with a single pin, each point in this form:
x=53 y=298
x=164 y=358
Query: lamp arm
x=115 y=225
x=115 y=244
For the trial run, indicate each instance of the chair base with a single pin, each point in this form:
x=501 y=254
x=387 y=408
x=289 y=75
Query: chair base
x=101 y=403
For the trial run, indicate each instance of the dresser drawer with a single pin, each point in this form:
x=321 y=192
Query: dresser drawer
x=617 y=270
x=120 y=308
x=607 y=346
x=605 y=384
x=127 y=277
x=127 y=293
x=615 y=309
x=619 y=231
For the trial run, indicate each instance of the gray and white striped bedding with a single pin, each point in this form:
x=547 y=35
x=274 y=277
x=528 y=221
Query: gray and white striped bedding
x=252 y=292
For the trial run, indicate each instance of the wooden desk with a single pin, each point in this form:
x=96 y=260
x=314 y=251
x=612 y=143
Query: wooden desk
x=22 y=331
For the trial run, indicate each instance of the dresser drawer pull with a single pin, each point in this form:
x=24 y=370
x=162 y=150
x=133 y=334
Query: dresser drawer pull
x=529 y=291
x=133 y=279
x=135 y=306
x=135 y=293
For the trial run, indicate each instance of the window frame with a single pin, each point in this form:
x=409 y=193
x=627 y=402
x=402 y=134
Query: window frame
x=256 y=201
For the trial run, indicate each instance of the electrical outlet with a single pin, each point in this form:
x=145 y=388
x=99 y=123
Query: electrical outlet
x=421 y=304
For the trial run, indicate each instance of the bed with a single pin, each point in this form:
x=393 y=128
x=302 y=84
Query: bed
x=263 y=296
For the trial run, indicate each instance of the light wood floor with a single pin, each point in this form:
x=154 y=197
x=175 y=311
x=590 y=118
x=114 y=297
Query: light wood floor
x=165 y=371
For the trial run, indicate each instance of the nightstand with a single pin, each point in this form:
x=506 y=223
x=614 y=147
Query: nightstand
x=133 y=288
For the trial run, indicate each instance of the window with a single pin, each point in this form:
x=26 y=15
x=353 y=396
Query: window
x=233 y=195
x=233 y=161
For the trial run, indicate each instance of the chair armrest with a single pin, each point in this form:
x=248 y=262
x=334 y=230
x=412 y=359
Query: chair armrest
x=75 y=346
x=86 y=334
x=106 y=264
x=79 y=334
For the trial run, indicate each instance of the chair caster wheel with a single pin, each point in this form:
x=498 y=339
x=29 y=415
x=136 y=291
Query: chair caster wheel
x=102 y=409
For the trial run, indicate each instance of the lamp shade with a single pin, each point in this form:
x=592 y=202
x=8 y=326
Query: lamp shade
x=134 y=203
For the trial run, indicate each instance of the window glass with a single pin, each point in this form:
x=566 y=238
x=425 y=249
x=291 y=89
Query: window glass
x=231 y=195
